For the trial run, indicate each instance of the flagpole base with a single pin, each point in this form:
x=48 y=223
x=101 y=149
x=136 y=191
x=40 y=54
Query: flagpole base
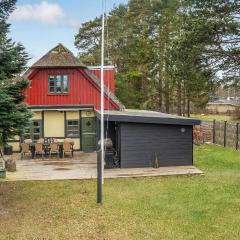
x=99 y=177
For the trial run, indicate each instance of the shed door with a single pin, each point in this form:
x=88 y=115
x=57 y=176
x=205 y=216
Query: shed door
x=89 y=141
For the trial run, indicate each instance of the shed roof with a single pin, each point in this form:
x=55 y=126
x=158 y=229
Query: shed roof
x=143 y=116
x=58 y=56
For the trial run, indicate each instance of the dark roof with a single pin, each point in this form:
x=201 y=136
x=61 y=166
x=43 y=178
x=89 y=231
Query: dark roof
x=142 y=116
x=59 y=56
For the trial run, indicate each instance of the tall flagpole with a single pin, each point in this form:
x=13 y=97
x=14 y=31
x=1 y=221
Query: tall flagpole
x=102 y=89
x=101 y=161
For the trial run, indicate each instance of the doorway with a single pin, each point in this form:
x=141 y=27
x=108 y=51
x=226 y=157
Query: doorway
x=89 y=136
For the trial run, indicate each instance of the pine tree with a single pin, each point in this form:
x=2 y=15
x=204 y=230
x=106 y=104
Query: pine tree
x=14 y=115
x=168 y=53
x=217 y=26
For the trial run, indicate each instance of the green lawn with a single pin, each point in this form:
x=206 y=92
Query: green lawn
x=211 y=117
x=197 y=207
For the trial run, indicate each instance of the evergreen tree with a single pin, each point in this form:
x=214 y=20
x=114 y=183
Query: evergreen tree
x=216 y=25
x=168 y=53
x=14 y=115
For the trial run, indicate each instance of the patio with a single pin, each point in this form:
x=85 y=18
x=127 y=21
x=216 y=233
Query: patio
x=83 y=166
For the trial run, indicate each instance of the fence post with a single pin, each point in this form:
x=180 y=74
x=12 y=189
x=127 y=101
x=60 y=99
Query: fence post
x=225 y=134
x=214 y=131
x=237 y=133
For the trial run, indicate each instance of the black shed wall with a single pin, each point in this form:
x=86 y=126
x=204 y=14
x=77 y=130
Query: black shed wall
x=139 y=142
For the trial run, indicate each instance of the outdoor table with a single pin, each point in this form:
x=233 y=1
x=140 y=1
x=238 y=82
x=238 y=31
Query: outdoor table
x=46 y=148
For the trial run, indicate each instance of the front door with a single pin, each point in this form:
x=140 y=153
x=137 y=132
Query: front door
x=89 y=136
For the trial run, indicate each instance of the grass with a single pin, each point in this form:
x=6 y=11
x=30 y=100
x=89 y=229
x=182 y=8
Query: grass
x=197 y=207
x=211 y=117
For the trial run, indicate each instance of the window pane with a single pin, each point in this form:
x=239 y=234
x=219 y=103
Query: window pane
x=73 y=128
x=36 y=130
x=58 y=84
x=73 y=134
x=51 y=84
x=72 y=123
x=65 y=83
x=69 y=123
x=51 y=90
x=36 y=136
x=36 y=124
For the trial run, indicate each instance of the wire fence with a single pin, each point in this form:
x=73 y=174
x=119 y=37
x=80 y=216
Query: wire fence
x=225 y=133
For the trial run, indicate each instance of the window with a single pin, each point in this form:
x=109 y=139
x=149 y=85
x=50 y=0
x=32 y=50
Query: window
x=34 y=131
x=58 y=84
x=72 y=128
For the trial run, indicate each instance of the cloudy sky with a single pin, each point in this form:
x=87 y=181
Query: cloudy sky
x=40 y=25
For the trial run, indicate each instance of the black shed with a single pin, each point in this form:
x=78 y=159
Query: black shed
x=147 y=138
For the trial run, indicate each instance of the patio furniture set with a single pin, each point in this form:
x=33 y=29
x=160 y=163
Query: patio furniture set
x=47 y=147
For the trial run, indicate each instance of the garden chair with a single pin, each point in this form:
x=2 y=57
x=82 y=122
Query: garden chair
x=40 y=140
x=53 y=148
x=39 y=149
x=67 y=148
x=25 y=149
x=28 y=141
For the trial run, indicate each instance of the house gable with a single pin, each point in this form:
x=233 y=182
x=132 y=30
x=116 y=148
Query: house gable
x=83 y=90
x=83 y=86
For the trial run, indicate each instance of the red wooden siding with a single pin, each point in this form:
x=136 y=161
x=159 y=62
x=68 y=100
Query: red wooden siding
x=108 y=77
x=81 y=90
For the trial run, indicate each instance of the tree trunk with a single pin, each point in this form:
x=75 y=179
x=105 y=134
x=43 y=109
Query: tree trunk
x=167 y=88
x=160 y=98
x=179 y=99
x=188 y=108
x=167 y=100
x=184 y=103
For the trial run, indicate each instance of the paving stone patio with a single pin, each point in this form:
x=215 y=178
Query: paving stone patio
x=83 y=166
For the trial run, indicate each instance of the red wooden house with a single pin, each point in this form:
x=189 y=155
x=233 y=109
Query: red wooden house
x=63 y=95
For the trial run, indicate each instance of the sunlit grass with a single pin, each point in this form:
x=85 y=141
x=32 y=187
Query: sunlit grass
x=211 y=117
x=197 y=207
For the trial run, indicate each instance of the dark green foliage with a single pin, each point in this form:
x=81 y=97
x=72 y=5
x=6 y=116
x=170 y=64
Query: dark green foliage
x=88 y=40
x=217 y=26
x=168 y=53
x=13 y=59
x=14 y=115
x=6 y=7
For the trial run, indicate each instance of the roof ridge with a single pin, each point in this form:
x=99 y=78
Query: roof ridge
x=65 y=48
x=57 y=58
